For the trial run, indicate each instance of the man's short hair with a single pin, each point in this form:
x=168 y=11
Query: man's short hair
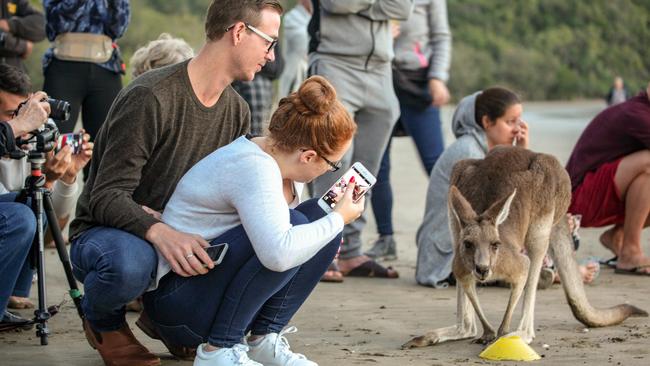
x=224 y=13
x=14 y=80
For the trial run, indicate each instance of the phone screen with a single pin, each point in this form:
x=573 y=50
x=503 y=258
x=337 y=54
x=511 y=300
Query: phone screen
x=74 y=140
x=332 y=197
x=216 y=252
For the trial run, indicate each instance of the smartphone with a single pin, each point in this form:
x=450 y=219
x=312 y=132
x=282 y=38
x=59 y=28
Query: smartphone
x=74 y=140
x=363 y=179
x=217 y=252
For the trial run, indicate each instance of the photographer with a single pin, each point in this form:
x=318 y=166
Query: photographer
x=60 y=169
x=17 y=222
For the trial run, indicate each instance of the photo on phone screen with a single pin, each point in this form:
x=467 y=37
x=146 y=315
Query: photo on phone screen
x=74 y=140
x=362 y=178
x=217 y=252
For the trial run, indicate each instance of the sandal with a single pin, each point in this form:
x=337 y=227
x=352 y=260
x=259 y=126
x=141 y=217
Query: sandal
x=371 y=268
x=611 y=262
x=333 y=274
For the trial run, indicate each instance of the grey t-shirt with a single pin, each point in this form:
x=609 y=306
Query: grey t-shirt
x=156 y=130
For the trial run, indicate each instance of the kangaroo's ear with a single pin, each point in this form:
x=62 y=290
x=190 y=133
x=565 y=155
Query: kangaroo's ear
x=500 y=210
x=461 y=209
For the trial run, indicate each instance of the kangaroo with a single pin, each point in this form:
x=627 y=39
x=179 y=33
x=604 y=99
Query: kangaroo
x=504 y=211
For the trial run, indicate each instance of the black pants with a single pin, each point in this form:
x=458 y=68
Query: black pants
x=85 y=86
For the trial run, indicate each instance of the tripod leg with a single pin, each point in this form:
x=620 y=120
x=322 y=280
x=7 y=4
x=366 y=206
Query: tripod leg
x=42 y=314
x=75 y=293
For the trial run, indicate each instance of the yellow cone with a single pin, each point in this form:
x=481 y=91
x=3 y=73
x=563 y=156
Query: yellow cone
x=511 y=348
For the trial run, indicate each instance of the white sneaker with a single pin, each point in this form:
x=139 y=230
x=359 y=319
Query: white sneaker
x=224 y=357
x=274 y=350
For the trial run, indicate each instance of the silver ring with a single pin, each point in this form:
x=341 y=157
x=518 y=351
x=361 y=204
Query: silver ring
x=189 y=255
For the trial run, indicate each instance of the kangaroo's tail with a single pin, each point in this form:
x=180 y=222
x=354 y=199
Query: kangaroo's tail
x=561 y=249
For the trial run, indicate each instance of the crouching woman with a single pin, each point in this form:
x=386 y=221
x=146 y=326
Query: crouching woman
x=247 y=194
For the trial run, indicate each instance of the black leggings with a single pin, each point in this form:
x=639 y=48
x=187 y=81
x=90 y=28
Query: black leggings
x=85 y=86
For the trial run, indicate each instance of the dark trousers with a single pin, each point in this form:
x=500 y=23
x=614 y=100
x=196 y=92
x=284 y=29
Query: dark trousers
x=87 y=87
x=423 y=125
x=238 y=295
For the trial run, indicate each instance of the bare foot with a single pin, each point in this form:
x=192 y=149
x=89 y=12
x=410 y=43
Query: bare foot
x=589 y=271
x=17 y=302
x=348 y=264
x=641 y=262
x=612 y=239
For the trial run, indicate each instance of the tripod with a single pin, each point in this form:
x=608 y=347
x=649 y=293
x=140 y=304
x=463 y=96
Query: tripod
x=41 y=202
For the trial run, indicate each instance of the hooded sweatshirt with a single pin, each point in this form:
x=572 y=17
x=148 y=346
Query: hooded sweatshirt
x=434 y=241
x=355 y=31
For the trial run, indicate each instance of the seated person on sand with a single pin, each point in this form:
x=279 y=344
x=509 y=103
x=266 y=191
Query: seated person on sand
x=610 y=177
x=243 y=194
x=481 y=121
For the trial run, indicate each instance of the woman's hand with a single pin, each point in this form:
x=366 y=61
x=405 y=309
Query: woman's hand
x=522 y=135
x=183 y=251
x=79 y=160
x=346 y=206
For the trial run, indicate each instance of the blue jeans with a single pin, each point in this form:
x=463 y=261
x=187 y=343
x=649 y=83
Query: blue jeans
x=115 y=268
x=17 y=229
x=239 y=295
x=423 y=125
x=24 y=280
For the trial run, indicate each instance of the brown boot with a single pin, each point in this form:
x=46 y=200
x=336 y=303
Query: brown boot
x=120 y=347
x=146 y=325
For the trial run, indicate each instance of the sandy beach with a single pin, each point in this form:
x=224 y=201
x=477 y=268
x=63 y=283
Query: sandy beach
x=364 y=321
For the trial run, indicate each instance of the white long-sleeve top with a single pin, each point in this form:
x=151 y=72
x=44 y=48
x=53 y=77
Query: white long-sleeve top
x=240 y=184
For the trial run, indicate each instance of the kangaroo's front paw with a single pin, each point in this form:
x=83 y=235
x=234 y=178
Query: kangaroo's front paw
x=428 y=339
x=486 y=338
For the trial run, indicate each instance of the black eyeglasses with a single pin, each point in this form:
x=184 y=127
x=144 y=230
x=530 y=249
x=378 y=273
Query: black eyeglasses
x=272 y=41
x=334 y=166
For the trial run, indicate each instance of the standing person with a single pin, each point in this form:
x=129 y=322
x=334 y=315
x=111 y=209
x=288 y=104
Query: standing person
x=20 y=27
x=161 y=124
x=618 y=93
x=420 y=73
x=609 y=169
x=84 y=66
x=351 y=45
x=295 y=47
x=277 y=249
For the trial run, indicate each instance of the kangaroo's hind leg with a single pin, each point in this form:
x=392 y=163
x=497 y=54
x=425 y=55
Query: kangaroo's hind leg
x=465 y=326
x=537 y=242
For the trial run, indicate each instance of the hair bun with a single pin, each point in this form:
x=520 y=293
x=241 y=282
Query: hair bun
x=316 y=95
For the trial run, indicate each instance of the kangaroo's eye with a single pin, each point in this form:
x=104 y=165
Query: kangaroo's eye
x=468 y=244
x=495 y=245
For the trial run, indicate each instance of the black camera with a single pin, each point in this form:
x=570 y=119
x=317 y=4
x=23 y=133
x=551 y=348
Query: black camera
x=59 y=109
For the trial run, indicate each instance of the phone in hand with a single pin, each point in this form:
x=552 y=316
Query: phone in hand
x=363 y=179
x=74 y=140
x=217 y=252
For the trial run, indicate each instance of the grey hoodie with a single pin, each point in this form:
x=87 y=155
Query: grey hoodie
x=356 y=30
x=433 y=238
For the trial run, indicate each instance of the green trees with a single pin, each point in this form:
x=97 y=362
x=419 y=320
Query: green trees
x=544 y=49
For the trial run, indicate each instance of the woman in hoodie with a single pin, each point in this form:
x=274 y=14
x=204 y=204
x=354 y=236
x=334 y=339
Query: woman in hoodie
x=481 y=121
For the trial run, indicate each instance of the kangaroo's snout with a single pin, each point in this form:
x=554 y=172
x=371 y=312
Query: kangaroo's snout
x=482 y=271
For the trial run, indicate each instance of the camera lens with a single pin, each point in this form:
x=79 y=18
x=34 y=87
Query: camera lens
x=59 y=109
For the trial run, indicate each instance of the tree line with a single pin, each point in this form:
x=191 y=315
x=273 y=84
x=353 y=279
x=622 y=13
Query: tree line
x=544 y=49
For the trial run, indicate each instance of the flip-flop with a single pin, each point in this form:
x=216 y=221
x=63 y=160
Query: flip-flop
x=636 y=271
x=611 y=262
x=371 y=268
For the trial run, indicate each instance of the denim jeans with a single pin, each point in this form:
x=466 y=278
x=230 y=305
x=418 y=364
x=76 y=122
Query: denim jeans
x=238 y=295
x=17 y=229
x=115 y=268
x=423 y=125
